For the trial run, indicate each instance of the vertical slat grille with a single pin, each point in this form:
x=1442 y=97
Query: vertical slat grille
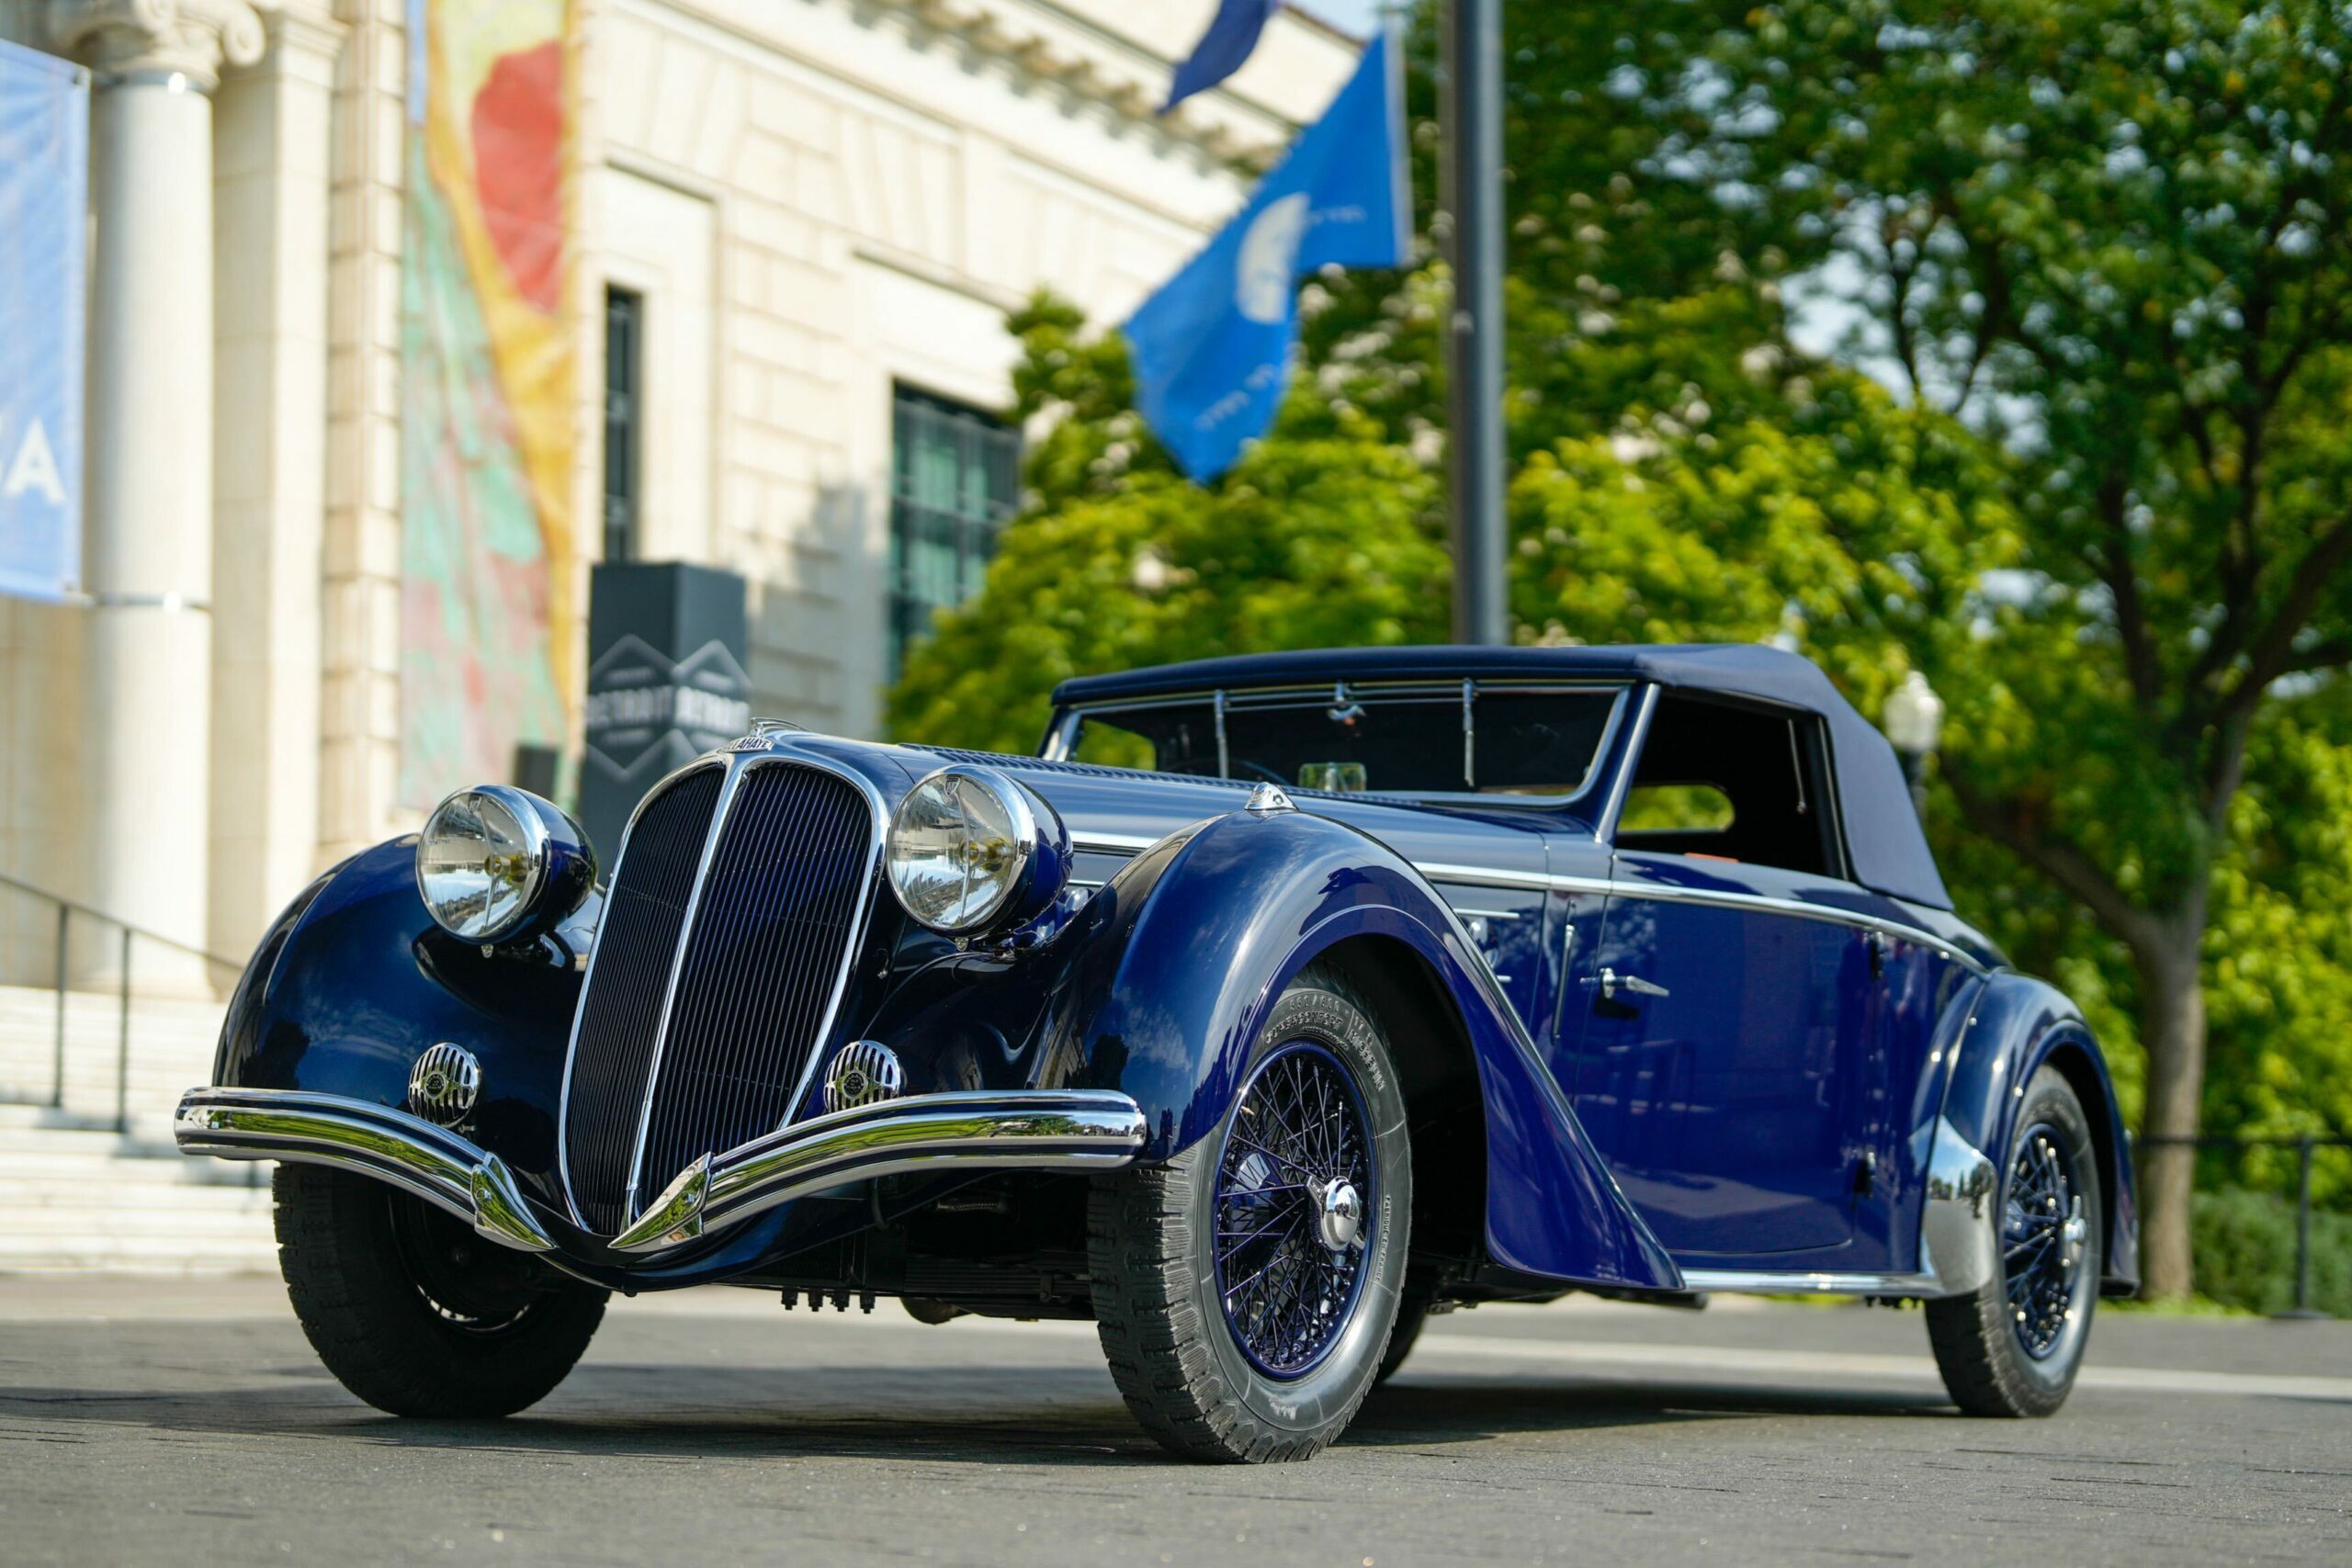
x=770 y=940
x=644 y=915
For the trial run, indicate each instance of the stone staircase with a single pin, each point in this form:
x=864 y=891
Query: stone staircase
x=76 y=1195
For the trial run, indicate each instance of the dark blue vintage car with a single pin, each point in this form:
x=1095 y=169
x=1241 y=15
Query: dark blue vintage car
x=1282 y=1002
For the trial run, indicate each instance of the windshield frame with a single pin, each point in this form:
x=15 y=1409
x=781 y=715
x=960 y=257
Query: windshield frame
x=1061 y=732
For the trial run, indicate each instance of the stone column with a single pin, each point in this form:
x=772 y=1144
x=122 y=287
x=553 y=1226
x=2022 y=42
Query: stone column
x=147 y=551
x=272 y=167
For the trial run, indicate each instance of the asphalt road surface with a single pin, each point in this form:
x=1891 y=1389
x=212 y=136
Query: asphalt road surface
x=155 y=1422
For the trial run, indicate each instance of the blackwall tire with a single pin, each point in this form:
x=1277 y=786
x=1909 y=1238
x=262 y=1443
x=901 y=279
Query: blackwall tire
x=413 y=1312
x=1412 y=1317
x=1190 y=1369
x=1993 y=1362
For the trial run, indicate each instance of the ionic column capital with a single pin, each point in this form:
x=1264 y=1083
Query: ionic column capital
x=188 y=38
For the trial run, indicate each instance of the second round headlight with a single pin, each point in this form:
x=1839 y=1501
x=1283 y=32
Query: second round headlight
x=969 y=849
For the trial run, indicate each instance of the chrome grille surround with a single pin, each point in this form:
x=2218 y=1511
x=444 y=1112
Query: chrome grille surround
x=734 y=769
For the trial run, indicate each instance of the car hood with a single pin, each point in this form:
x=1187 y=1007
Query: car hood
x=1126 y=810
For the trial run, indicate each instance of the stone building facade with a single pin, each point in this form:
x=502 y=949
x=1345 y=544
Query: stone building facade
x=808 y=217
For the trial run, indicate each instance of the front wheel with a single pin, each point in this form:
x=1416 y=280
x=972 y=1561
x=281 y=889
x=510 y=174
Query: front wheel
x=414 y=1313
x=1245 y=1290
x=2012 y=1348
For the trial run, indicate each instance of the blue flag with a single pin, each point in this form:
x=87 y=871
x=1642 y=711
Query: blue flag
x=1212 y=348
x=1233 y=33
x=44 y=162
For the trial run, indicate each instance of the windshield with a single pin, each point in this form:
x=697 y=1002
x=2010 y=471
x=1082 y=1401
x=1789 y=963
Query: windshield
x=1418 y=740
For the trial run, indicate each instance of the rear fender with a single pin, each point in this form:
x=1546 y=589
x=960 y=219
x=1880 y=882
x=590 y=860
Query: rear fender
x=1196 y=939
x=2018 y=1025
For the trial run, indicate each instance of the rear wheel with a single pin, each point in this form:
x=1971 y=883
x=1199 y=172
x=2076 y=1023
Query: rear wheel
x=2012 y=1348
x=414 y=1313
x=1245 y=1290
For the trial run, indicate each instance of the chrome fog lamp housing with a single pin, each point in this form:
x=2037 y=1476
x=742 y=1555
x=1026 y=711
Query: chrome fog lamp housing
x=970 y=850
x=497 y=865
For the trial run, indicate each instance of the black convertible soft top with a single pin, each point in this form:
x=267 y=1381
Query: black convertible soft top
x=1889 y=852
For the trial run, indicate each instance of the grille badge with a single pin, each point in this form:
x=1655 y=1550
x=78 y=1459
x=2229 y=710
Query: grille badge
x=864 y=1072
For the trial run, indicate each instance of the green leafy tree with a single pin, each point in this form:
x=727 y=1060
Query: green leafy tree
x=1325 y=534
x=2108 y=233
x=2097 y=249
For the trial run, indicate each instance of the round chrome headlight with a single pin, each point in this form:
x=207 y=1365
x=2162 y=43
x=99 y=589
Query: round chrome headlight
x=497 y=864
x=970 y=850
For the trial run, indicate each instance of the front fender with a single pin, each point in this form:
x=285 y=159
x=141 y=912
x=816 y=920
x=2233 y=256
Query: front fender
x=2017 y=1025
x=355 y=980
x=1199 y=937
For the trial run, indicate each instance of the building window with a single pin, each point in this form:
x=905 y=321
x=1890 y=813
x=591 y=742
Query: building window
x=954 y=479
x=624 y=419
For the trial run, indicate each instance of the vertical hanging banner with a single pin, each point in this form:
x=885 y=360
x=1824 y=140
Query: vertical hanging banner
x=489 y=579
x=44 y=202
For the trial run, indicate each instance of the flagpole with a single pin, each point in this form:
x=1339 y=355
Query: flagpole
x=1470 y=111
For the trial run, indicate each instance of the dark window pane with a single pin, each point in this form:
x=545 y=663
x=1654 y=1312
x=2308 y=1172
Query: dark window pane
x=954 y=479
x=624 y=413
x=1540 y=743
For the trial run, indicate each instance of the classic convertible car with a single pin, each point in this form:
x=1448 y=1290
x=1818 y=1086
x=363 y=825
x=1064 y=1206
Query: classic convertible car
x=1281 y=1002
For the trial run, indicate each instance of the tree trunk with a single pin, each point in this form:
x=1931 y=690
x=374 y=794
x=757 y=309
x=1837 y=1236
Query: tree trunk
x=2172 y=1029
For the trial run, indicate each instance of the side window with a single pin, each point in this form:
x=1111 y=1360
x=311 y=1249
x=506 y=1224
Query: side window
x=1724 y=781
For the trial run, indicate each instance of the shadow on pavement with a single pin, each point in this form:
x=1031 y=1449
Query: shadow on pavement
x=995 y=1415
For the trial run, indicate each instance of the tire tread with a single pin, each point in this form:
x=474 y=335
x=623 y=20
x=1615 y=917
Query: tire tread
x=362 y=1314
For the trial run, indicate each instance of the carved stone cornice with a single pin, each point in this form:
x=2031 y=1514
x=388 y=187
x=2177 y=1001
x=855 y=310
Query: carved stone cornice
x=190 y=38
x=1129 y=82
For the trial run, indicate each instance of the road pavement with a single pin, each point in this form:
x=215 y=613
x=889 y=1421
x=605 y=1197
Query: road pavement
x=151 y=1421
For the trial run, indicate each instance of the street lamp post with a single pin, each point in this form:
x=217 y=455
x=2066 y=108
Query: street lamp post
x=1914 y=722
x=1470 y=112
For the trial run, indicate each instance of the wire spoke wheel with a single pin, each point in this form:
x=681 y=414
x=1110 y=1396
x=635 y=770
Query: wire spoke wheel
x=2041 y=1240
x=1295 y=1201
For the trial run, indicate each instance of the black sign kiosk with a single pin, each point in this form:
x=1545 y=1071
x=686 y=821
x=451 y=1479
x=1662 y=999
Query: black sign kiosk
x=665 y=684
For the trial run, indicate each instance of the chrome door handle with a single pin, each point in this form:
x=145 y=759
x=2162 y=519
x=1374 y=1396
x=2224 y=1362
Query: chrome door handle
x=1610 y=983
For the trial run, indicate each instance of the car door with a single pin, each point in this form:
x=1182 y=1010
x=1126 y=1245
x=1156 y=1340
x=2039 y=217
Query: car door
x=1729 y=1037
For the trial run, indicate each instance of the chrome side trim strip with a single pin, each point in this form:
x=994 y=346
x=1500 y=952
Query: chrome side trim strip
x=1730 y=900
x=1110 y=843
x=1074 y=1130
x=392 y=1146
x=1482 y=877
x=1536 y=881
x=1800 y=1282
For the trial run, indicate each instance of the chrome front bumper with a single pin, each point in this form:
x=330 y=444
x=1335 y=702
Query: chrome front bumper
x=1053 y=1130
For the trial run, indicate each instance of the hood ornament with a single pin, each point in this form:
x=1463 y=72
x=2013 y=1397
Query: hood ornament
x=1268 y=798
x=763 y=734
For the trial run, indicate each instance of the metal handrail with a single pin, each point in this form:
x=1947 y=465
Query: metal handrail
x=2304 y=1143
x=66 y=910
x=88 y=912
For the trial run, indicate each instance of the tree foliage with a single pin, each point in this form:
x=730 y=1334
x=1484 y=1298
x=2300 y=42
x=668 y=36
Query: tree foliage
x=2008 y=340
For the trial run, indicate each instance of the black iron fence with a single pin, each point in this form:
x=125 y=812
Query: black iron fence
x=2306 y=1145
x=107 y=949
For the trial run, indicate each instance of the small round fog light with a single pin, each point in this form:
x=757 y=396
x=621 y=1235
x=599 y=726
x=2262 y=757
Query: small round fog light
x=443 y=1084
x=865 y=1072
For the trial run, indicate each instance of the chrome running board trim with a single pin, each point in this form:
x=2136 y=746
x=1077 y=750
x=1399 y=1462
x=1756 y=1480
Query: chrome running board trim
x=1064 y=1130
x=1800 y=1282
x=394 y=1146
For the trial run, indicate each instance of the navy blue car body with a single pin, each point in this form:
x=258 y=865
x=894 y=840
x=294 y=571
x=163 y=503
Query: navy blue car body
x=1652 y=1062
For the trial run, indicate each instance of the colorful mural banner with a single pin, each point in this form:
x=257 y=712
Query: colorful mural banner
x=489 y=584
